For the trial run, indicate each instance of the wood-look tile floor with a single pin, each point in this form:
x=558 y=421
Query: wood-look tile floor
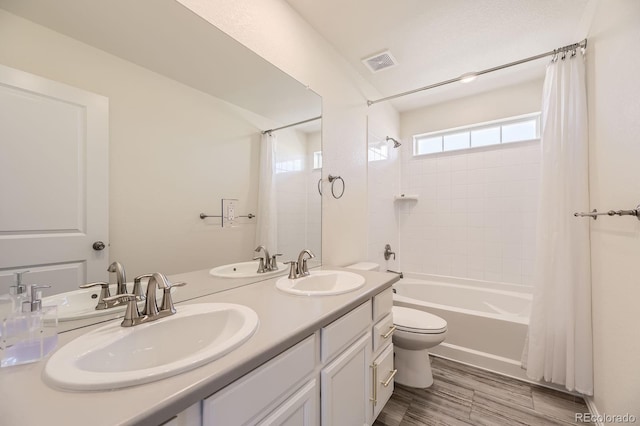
x=464 y=395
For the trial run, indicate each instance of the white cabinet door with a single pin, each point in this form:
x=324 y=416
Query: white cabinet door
x=301 y=409
x=54 y=158
x=384 y=374
x=345 y=384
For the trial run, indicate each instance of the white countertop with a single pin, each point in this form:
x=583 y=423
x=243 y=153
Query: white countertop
x=285 y=319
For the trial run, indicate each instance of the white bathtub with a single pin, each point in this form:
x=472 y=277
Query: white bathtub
x=486 y=322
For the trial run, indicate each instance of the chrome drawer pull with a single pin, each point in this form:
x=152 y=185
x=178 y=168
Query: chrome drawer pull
x=390 y=332
x=374 y=398
x=390 y=378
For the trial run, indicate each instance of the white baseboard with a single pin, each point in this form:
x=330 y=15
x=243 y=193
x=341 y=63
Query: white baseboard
x=591 y=405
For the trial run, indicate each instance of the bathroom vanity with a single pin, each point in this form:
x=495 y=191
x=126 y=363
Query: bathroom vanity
x=312 y=360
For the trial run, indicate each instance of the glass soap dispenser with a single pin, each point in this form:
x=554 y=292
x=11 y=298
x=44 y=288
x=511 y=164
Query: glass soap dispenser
x=18 y=293
x=30 y=334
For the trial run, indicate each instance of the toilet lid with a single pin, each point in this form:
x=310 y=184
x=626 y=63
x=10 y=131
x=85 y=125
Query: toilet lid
x=416 y=321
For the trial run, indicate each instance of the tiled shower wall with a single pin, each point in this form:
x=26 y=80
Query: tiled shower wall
x=476 y=212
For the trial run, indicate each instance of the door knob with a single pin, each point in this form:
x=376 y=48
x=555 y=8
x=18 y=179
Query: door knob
x=98 y=245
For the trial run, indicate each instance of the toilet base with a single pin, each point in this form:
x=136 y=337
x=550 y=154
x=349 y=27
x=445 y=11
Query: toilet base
x=414 y=368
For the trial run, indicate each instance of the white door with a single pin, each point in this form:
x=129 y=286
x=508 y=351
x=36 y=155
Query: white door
x=54 y=159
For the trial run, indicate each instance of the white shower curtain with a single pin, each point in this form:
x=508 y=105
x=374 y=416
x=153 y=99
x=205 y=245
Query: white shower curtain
x=559 y=343
x=267 y=218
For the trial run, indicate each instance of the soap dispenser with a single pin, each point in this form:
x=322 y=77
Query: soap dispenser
x=18 y=293
x=30 y=334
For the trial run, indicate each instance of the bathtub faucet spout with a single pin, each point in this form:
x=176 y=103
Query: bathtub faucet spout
x=396 y=272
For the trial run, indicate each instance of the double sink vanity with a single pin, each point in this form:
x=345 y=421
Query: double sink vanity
x=308 y=350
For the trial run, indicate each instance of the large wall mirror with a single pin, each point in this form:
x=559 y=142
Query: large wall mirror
x=187 y=107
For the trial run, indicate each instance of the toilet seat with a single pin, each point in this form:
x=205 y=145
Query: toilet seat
x=416 y=321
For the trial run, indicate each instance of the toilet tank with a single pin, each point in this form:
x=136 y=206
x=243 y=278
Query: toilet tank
x=364 y=266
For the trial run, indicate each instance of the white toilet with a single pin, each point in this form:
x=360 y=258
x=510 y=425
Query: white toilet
x=416 y=331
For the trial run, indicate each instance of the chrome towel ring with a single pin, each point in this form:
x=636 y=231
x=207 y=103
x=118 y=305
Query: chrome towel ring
x=332 y=179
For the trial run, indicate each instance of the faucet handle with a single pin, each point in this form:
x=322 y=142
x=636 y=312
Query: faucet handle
x=261 y=268
x=132 y=313
x=167 y=299
x=293 y=269
x=104 y=293
x=388 y=252
x=274 y=261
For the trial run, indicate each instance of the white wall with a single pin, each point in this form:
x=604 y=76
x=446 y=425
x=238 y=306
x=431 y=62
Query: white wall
x=272 y=29
x=476 y=213
x=169 y=151
x=613 y=67
x=383 y=186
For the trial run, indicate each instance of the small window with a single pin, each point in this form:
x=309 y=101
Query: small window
x=485 y=136
x=508 y=130
x=317 y=160
x=428 y=145
x=522 y=131
x=454 y=141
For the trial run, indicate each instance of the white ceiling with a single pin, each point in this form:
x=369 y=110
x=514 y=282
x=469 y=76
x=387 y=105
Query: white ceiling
x=436 y=40
x=175 y=42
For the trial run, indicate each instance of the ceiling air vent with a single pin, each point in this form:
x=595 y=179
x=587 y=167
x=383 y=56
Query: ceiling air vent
x=380 y=61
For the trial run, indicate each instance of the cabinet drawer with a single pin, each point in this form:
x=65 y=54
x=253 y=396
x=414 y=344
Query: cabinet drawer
x=383 y=365
x=382 y=304
x=337 y=335
x=382 y=332
x=252 y=394
x=192 y=416
x=301 y=409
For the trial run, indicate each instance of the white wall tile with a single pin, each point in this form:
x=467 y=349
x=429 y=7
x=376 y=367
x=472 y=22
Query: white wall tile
x=476 y=214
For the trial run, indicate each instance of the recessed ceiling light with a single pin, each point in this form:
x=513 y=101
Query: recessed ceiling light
x=468 y=77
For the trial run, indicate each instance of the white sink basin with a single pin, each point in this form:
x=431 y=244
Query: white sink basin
x=81 y=303
x=245 y=270
x=322 y=283
x=113 y=356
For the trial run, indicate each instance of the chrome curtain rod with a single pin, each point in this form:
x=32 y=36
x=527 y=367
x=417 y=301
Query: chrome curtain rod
x=582 y=44
x=292 y=124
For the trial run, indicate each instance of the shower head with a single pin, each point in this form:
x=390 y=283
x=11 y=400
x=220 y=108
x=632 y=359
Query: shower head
x=396 y=144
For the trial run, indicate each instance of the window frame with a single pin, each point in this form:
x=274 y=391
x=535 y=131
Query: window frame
x=500 y=123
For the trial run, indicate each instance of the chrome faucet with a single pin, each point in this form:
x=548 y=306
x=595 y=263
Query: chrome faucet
x=121 y=277
x=137 y=286
x=303 y=269
x=151 y=311
x=156 y=280
x=265 y=262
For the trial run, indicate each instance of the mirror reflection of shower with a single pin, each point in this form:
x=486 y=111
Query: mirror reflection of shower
x=396 y=144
